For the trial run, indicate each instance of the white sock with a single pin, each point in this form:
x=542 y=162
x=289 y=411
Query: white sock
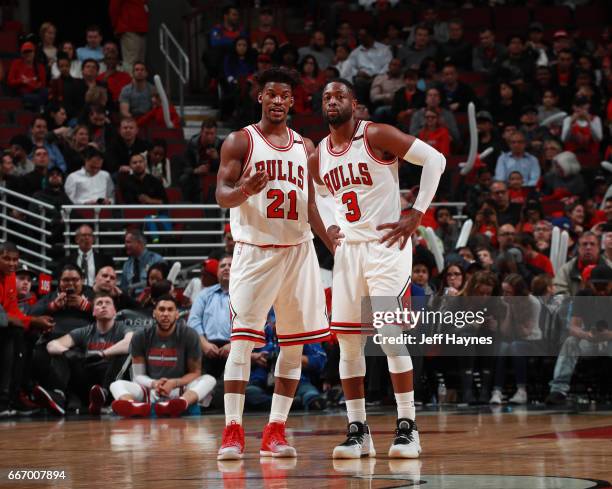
x=405 y=405
x=355 y=410
x=280 y=408
x=234 y=406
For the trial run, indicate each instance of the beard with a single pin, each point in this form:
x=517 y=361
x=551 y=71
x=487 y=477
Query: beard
x=340 y=118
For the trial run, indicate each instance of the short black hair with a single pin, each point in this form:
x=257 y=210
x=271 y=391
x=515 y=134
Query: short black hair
x=208 y=124
x=8 y=247
x=278 y=75
x=164 y=296
x=71 y=267
x=159 y=142
x=91 y=60
x=92 y=152
x=345 y=82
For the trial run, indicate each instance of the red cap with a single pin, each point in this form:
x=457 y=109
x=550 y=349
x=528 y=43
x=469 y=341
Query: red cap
x=27 y=46
x=560 y=33
x=227 y=229
x=210 y=265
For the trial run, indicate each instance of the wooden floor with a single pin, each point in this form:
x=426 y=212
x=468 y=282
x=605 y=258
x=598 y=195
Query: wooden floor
x=497 y=450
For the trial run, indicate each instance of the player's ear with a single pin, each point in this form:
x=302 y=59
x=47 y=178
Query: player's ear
x=260 y=97
x=292 y=101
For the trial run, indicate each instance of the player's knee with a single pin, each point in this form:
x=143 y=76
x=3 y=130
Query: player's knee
x=119 y=388
x=351 y=346
x=400 y=363
x=289 y=362
x=240 y=352
x=352 y=367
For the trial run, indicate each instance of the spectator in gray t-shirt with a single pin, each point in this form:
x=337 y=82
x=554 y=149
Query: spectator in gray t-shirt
x=166 y=368
x=318 y=49
x=135 y=98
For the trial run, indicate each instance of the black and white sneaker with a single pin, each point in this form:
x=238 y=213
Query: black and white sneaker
x=406 y=443
x=6 y=411
x=358 y=442
x=54 y=400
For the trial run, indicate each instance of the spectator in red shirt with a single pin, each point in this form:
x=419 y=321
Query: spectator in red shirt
x=115 y=80
x=266 y=28
x=516 y=192
x=532 y=258
x=130 y=20
x=312 y=79
x=28 y=77
x=155 y=117
x=435 y=134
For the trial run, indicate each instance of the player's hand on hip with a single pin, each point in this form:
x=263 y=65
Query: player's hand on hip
x=255 y=183
x=401 y=230
x=335 y=235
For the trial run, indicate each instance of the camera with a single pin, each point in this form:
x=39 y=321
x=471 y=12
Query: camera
x=70 y=291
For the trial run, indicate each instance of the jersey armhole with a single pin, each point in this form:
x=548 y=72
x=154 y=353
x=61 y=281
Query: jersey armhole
x=370 y=151
x=249 y=153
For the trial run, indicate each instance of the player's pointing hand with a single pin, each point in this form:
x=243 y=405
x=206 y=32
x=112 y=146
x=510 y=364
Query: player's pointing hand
x=402 y=229
x=253 y=184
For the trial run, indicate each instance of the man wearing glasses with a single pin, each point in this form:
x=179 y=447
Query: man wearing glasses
x=88 y=260
x=517 y=159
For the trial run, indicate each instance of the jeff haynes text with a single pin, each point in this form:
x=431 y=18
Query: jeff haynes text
x=435 y=339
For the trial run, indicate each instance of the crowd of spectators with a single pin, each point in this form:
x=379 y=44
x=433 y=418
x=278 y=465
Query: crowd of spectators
x=543 y=112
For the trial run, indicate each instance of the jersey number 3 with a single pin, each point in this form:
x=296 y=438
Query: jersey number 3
x=352 y=206
x=275 y=208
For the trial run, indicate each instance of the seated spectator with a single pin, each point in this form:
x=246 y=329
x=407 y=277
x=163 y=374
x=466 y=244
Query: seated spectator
x=208 y=277
x=86 y=361
x=228 y=245
x=342 y=62
x=12 y=334
x=488 y=138
x=175 y=385
x=586 y=337
x=452 y=280
x=564 y=176
x=155 y=117
x=57 y=121
x=487 y=53
x=265 y=27
x=434 y=133
x=36 y=180
x=221 y=38
x=124 y=147
x=201 y=163
x=505 y=105
x=20 y=148
x=429 y=75
x=507 y=212
x=369 y=59
x=517 y=159
x=93 y=48
x=269 y=47
x=516 y=190
x=74 y=70
x=158 y=163
x=574 y=217
x=393 y=37
x=79 y=93
x=24 y=280
x=345 y=36
x=28 y=78
x=536 y=43
x=47 y=50
x=209 y=318
x=456 y=50
x=447 y=230
x=114 y=79
x=91 y=184
x=101 y=131
x=415 y=51
x=518 y=65
x=39 y=134
x=432 y=102
x=74 y=146
x=406 y=100
x=89 y=261
x=289 y=56
x=536 y=261
x=135 y=98
x=421 y=274
x=542 y=233
x=318 y=48
x=438 y=29
x=140 y=187
x=8 y=178
x=535 y=134
x=238 y=64
x=53 y=193
x=568 y=277
x=457 y=95
x=156 y=273
x=480 y=191
x=519 y=330
x=134 y=273
x=307 y=94
x=564 y=77
x=106 y=282
x=582 y=131
x=383 y=90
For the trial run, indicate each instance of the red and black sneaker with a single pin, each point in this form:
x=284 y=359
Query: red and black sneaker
x=54 y=400
x=274 y=443
x=97 y=399
x=25 y=406
x=232 y=443
x=173 y=407
x=130 y=409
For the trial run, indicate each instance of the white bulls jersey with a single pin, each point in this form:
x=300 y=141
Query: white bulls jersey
x=278 y=215
x=365 y=188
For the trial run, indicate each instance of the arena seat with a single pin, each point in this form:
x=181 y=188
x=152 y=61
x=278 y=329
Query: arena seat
x=590 y=15
x=174 y=195
x=10 y=104
x=7 y=132
x=9 y=42
x=23 y=118
x=475 y=18
x=510 y=18
x=552 y=16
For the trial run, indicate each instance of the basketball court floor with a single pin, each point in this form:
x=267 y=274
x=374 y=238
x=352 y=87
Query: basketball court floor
x=505 y=448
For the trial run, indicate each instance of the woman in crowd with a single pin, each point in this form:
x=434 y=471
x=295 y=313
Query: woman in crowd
x=312 y=81
x=75 y=64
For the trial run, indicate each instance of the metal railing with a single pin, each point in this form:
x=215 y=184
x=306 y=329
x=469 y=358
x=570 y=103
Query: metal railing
x=179 y=64
x=26 y=222
x=109 y=225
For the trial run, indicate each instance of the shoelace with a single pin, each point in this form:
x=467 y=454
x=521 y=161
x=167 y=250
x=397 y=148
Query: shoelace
x=278 y=435
x=233 y=436
x=404 y=433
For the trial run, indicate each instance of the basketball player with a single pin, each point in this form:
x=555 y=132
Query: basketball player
x=356 y=167
x=263 y=178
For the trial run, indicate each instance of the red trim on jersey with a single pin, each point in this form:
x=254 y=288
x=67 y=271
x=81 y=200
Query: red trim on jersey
x=247 y=338
x=371 y=152
x=327 y=337
x=332 y=152
x=299 y=335
x=247 y=160
x=248 y=330
x=277 y=148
